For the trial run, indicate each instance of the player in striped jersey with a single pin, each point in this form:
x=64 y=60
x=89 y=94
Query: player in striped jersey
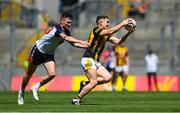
x=122 y=66
x=95 y=72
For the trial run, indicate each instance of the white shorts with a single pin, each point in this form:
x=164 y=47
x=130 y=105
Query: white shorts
x=122 y=68
x=89 y=63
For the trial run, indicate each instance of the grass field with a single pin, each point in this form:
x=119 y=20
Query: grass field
x=94 y=102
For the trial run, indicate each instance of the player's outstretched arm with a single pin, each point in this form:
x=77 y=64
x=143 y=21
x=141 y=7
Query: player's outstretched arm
x=69 y=38
x=114 y=29
x=81 y=44
x=119 y=41
x=123 y=39
x=75 y=42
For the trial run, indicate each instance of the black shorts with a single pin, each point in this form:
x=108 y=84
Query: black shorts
x=36 y=57
x=151 y=73
x=110 y=69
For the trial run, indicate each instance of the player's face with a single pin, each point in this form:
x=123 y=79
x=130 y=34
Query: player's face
x=104 y=23
x=66 y=22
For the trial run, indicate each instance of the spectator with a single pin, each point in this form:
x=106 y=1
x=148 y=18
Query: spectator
x=151 y=60
x=44 y=20
x=105 y=54
x=133 y=8
x=109 y=61
x=122 y=66
x=142 y=9
x=137 y=8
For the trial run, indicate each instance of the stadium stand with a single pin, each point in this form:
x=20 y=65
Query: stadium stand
x=159 y=17
x=148 y=32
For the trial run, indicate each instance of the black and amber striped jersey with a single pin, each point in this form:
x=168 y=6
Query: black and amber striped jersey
x=97 y=44
x=121 y=55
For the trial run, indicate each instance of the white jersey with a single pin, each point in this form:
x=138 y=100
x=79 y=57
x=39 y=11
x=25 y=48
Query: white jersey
x=151 y=63
x=51 y=40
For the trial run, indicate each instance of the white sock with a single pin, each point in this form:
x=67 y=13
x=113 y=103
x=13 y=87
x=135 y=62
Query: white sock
x=37 y=86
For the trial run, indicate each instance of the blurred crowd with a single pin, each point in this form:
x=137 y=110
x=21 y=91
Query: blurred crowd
x=116 y=60
x=138 y=8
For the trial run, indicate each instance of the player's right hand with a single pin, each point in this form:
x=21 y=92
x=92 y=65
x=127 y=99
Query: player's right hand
x=126 y=21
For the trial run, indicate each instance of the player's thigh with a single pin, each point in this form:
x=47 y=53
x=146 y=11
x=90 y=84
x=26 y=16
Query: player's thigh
x=91 y=74
x=103 y=72
x=50 y=67
x=125 y=73
x=125 y=70
x=116 y=74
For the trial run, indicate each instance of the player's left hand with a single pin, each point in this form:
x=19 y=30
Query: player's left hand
x=131 y=30
x=85 y=44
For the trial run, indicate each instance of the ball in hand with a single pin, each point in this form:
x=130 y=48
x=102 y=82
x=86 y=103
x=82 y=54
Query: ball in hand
x=131 y=25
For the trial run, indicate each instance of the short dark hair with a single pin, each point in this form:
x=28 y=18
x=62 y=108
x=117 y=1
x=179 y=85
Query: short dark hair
x=101 y=17
x=66 y=15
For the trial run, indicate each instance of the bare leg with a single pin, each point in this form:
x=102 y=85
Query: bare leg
x=103 y=75
x=95 y=77
x=51 y=73
x=149 y=82
x=124 y=79
x=106 y=84
x=31 y=69
x=92 y=76
x=114 y=80
x=156 y=82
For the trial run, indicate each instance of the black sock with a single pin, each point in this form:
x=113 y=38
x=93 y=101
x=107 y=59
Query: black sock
x=87 y=82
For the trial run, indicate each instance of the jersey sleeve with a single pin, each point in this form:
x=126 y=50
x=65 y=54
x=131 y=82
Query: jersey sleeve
x=58 y=31
x=97 y=30
x=68 y=33
x=108 y=38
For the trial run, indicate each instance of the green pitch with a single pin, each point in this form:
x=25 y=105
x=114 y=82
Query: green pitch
x=94 y=102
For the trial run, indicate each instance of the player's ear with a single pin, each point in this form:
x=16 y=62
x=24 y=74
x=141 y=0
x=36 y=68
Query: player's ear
x=62 y=19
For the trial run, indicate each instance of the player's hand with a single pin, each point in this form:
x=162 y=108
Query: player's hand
x=131 y=30
x=85 y=44
x=126 y=21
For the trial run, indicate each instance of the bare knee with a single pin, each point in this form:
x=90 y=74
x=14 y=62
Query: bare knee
x=53 y=74
x=93 y=82
x=108 y=78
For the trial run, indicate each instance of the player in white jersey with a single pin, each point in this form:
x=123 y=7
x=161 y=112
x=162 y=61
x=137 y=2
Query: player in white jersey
x=43 y=52
x=152 y=60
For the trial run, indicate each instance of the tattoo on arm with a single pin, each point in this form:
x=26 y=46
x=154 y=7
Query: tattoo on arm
x=124 y=38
